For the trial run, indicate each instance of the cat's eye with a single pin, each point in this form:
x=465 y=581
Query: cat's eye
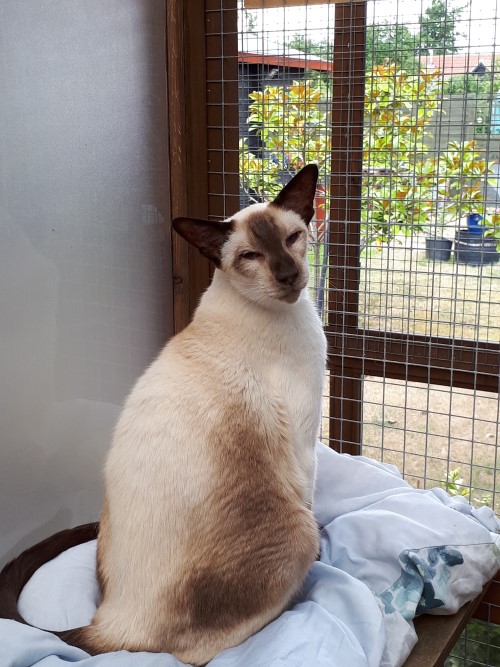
x=292 y=238
x=250 y=254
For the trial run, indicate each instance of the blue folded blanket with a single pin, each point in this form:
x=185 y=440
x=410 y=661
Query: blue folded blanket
x=388 y=553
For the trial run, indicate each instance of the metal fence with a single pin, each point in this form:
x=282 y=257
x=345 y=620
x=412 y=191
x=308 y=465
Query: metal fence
x=398 y=103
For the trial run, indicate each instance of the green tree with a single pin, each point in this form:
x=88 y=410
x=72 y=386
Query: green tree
x=438 y=27
x=251 y=22
x=404 y=191
x=385 y=44
x=293 y=126
x=391 y=45
x=323 y=48
x=463 y=84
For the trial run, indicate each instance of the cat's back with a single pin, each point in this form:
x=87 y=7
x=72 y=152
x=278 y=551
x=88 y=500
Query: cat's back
x=189 y=364
x=200 y=394
x=206 y=533
x=198 y=430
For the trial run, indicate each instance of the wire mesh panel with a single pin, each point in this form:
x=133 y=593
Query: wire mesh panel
x=285 y=99
x=398 y=102
x=436 y=435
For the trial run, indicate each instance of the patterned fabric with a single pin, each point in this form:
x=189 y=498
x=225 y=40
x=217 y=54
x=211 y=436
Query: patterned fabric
x=422 y=586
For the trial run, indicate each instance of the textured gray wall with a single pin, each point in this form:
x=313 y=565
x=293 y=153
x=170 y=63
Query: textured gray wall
x=84 y=251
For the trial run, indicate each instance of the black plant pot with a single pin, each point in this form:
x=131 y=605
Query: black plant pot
x=438 y=249
x=475 y=249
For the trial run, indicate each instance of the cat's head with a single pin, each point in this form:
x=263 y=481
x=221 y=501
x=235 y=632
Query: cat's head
x=262 y=249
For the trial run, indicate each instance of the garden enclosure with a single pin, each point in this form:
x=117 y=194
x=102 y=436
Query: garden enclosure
x=397 y=102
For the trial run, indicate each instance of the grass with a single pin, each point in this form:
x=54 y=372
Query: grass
x=402 y=291
x=428 y=431
x=436 y=436
x=478 y=645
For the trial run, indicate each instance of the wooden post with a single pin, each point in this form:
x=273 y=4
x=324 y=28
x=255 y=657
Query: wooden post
x=345 y=216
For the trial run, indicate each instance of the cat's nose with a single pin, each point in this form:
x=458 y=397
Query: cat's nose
x=288 y=279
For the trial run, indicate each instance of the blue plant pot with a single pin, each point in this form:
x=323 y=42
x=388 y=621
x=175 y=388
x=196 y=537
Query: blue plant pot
x=474 y=223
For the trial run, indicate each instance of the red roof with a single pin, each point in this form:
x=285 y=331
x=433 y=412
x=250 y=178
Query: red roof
x=304 y=62
x=255 y=49
x=456 y=63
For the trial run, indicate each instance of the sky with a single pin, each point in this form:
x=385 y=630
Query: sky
x=480 y=20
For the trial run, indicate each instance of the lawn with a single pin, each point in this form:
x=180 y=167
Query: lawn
x=402 y=291
x=430 y=430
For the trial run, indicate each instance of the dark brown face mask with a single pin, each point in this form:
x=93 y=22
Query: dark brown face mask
x=209 y=236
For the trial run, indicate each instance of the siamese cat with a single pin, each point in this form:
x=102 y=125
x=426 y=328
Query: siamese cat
x=207 y=533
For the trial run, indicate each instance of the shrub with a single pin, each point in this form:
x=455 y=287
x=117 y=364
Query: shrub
x=403 y=189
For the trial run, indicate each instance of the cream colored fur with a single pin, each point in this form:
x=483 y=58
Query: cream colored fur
x=212 y=465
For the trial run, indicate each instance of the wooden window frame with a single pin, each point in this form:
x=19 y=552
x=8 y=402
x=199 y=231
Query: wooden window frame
x=355 y=352
x=203 y=158
x=200 y=99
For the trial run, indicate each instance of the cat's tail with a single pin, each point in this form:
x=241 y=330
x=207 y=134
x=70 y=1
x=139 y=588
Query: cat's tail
x=16 y=574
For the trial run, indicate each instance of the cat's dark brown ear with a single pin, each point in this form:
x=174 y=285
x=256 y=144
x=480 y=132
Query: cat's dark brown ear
x=207 y=235
x=298 y=194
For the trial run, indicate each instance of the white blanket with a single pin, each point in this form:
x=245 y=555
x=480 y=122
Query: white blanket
x=388 y=553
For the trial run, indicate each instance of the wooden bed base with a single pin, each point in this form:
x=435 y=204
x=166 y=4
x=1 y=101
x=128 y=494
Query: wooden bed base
x=438 y=634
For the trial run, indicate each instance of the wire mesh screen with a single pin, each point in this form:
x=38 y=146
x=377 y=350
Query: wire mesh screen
x=435 y=435
x=285 y=83
x=398 y=102
x=426 y=257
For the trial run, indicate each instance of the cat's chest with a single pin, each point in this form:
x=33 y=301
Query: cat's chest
x=293 y=363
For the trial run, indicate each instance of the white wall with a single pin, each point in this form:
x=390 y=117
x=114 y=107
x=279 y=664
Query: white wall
x=85 y=271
